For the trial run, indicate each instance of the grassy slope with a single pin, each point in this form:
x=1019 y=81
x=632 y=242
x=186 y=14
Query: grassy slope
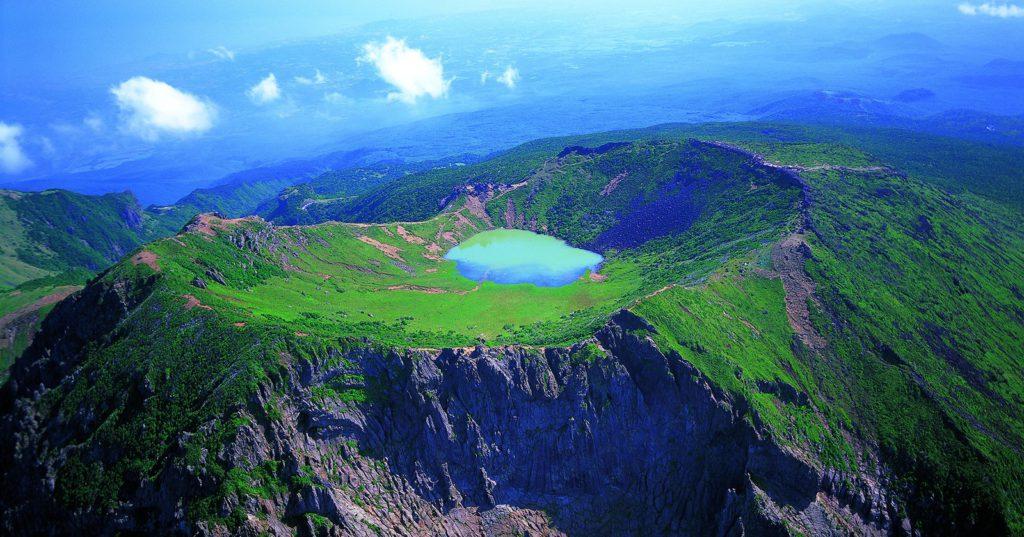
x=56 y=230
x=924 y=321
x=233 y=199
x=885 y=379
x=53 y=241
x=931 y=282
x=337 y=280
x=330 y=196
x=952 y=164
x=327 y=277
x=949 y=163
x=14 y=270
x=23 y=308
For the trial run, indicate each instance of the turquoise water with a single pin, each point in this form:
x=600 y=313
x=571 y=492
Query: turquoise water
x=517 y=256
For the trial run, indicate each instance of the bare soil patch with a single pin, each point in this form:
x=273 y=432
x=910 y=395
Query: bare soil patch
x=393 y=252
x=147 y=258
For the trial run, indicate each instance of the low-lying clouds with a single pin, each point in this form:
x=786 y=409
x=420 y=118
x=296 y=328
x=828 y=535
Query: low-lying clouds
x=1003 y=11
x=93 y=122
x=223 y=53
x=265 y=91
x=510 y=77
x=410 y=71
x=317 y=79
x=151 y=108
x=12 y=157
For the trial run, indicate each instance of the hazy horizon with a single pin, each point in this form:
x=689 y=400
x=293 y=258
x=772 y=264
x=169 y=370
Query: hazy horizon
x=162 y=100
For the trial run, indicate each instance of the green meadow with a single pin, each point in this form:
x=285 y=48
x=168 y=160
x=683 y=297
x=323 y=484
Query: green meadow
x=388 y=282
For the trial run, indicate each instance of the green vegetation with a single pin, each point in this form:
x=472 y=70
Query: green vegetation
x=320 y=522
x=921 y=300
x=372 y=282
x=916 y=282
x=951 y=164
x=305 y=479
x=233 y=199
x=930 y=283
x=329 y=196
x=734 y=330
x=23 y=308
x=55 y=240
x=954 y=164
x=55 y=230
x=390 y=282
x=421 y=195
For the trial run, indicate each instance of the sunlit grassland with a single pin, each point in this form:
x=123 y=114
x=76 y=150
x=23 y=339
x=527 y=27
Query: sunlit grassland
x=12 y=269
x=397 y=289
x=733 y=329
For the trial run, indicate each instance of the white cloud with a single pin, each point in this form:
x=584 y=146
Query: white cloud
x=151 y=108
x=12 y=157
x=335 y=98
x=47 y=145
x=317 y=79
x=223 y=53
x=1003 y=11
x=510 y=77
x=265 y=90
x=411 y=72
x=94 y=122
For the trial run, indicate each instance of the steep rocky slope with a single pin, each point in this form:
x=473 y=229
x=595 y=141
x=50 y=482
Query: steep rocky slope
x=611 y=436
x=52 y=242
x=791 y=363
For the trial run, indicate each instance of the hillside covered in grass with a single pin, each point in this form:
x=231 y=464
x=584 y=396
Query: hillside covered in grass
x=56 y=230
x=391 y=279
x=53 y=241
x=794 y=331
x=991 y=171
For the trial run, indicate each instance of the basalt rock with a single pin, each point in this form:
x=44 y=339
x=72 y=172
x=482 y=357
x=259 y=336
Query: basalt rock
x=473 y=441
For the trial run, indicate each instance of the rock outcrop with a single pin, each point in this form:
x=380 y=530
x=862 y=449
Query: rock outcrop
x=472 y=441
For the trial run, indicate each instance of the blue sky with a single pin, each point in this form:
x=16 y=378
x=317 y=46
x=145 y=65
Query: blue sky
x=162 y=98
x=70 y=36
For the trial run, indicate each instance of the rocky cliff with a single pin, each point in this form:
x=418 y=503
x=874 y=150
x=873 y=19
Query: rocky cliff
x=611 y=436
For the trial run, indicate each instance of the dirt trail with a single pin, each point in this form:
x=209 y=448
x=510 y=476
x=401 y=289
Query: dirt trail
x=788 y=258
x=208 y=223
x=419 y=288
x=193 y=302
x=614 y=183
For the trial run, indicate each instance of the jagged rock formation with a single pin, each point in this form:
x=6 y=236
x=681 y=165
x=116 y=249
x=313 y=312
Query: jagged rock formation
x=494 y=441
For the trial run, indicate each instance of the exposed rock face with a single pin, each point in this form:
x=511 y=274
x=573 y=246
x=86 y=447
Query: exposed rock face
x=484 y=441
